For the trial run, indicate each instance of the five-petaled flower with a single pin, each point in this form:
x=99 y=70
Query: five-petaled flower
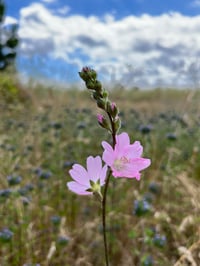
x=125 y=159
x=87 y=182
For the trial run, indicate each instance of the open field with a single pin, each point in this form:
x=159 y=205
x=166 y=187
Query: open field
x=43 y=223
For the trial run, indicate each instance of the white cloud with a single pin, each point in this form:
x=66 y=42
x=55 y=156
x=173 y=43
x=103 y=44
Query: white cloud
x=195 y=3
x=49 y=1
x=64 y=10
x=10 y=20
x=159 y=48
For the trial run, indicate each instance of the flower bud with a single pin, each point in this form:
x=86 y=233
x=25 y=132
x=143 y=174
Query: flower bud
x=117 y=124
x=83 y=74
x=92 y=74
x=112 y=109
x=96 y=95
x=101 y=103
x=103 y=122
x=90 y=84
x=87 y=73
x=105 y=94
x=98 y=86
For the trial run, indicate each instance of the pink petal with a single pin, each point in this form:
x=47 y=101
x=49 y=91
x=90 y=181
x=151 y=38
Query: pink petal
x=134 y=150
x=108 y=154
x=126 y=173
x=107 y=146
x=136 y=165
x=78 y=189
x=79 y=174
x=94 y=166
x=139 y=164
x=131 y=170
x=122 y=141
x=103 y=174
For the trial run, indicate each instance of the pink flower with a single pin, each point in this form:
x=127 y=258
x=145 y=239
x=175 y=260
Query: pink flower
x=86 y=182
x=125 y=159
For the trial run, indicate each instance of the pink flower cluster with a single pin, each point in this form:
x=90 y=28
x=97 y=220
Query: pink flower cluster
x=124 y=160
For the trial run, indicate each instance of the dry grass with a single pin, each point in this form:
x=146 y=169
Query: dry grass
x=59 y=127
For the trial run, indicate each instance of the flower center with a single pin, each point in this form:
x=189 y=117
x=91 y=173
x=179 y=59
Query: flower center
x=96 y=187
x=120 y=164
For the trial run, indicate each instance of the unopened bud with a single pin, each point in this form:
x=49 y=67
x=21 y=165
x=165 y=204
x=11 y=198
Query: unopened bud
x=103 y=122
x=87 y=74
x=96 y=95
x=90 y=84
x=98 y=86
x=93 y=74
x=101 y=103
x=84 y=73
x=112 y=109
x=105 y=94
x=117 y=124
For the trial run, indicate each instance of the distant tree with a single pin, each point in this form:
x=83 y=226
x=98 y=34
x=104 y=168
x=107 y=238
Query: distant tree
x=8 y=41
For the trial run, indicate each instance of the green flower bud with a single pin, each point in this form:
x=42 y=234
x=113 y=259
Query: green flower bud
x=103 y=122
x=101 y=103
x=90 y=84
x=84 y=73
x=93 y=74
x=98 y=86
x=97 y=95
x=105 y=94
x=117 y=124
x=87 y=74
x=112 y=109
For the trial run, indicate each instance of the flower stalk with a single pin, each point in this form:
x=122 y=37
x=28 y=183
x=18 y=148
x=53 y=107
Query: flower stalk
x=121 y=158
x=113 y=124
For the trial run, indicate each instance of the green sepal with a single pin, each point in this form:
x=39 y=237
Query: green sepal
x=89 y=190
x=101 y=103
x=117 y=124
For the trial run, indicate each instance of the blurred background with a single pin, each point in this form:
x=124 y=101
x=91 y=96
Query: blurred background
x=146 y=54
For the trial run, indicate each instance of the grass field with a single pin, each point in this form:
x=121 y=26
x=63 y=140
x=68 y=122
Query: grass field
x=43 y=223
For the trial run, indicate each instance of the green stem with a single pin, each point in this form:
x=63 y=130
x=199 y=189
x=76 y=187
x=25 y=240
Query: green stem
x=104 y=217
x=105 y=197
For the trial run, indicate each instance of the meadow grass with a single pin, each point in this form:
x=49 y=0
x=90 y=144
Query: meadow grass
x=43 y=223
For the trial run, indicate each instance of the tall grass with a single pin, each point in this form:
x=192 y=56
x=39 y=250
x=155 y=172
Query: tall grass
x=42 y=223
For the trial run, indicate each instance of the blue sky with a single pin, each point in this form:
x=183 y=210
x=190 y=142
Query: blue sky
x=119 y=8
x=143 y=43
